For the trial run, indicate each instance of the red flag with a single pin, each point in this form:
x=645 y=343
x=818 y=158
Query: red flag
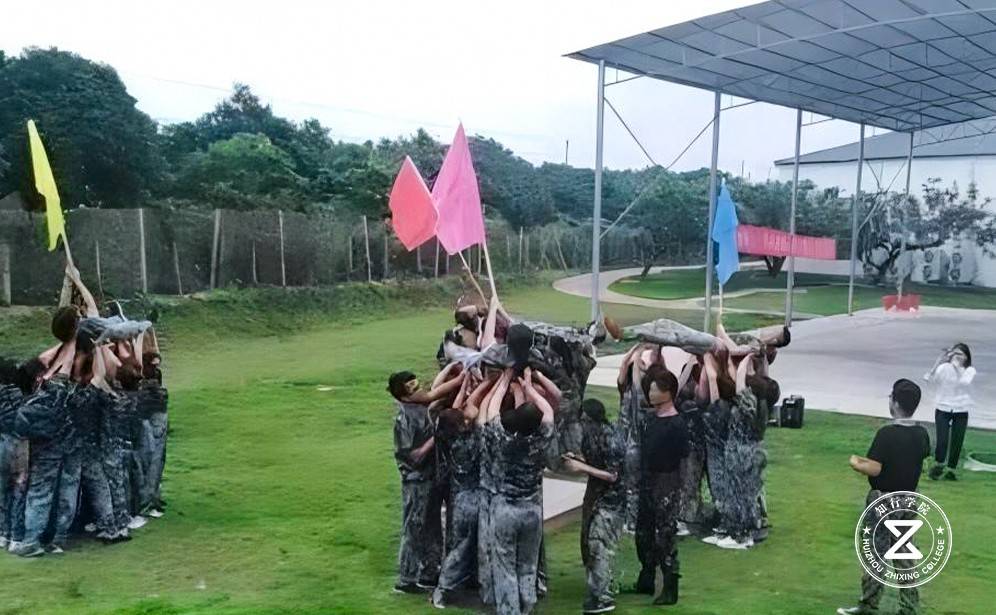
x=458 y=200
x=412 y=211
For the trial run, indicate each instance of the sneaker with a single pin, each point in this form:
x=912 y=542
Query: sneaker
x=26 y=550
x=426 y=585
x=935 y=472
x=90 y=528
x=54 y=549
x=602 y=606
x=155 y=513
x=4 y=543
x=714 y=539
x=136 y=522
x=14 y=545
x=731 y=543
x=438 y=598
x=855 y=610
x=408 y=588
x=682 y=529
x=950 y=475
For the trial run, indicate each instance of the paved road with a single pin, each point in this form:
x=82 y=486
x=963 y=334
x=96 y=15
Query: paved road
x=847 y=364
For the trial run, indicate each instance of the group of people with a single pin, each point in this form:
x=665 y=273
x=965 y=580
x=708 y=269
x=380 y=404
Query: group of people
x=509 y=403
x=82 y=430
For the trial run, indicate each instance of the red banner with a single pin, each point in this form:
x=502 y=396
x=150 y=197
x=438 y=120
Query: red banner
x=761 y=241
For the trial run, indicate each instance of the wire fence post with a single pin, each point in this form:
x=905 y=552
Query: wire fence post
x=255 y=273
x=349 y=257
x=437 y=258
x=141 y=250
x=366 y=241
x=283 y=262
x=387 y=250
x=176 y=268
x=216 y=249
x=5 y=298
x=96 y=261
x=418 y=259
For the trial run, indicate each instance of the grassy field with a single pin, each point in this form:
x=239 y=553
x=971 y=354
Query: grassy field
x=283 y=495
x=816 y=294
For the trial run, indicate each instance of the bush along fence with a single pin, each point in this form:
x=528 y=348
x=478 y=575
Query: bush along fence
x=121 y=252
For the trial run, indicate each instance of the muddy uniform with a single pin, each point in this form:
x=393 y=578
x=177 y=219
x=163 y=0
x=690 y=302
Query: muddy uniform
x=632 y=417
x=54 y=469
x=517 y=517
x=663 y=446
x=10 y=400
x=603 y=509
x=693 y=467
x=715 y=429
x=150 y=427
x=421 y=534
x=745 y=460
x=490 y=439
x=462 y=456
x=88 y=406
x=119 y=418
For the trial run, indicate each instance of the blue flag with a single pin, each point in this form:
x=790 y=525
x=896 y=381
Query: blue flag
x=724 y=233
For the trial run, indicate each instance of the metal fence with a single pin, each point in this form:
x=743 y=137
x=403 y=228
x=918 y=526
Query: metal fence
x=121 y=252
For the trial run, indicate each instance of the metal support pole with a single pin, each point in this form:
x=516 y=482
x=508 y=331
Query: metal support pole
x=854 y=222
x=906 y=206
x=596 y=222
x=790 y=287
x=707 y=324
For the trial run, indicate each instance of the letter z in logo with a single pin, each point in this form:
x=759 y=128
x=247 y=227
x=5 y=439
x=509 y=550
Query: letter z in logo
x=904 y=540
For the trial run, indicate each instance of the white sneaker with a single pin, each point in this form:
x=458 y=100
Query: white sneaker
x=155 y=513
x=13 y=545
x=714 y=539
x=4 y=543
x=136 y=522
x=730 y=543
x=682 y=529
x=90 y=528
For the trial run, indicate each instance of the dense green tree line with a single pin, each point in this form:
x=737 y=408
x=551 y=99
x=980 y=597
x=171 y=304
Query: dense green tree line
x=240 y=155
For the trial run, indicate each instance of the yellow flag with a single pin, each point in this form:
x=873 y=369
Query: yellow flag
x=45 y=185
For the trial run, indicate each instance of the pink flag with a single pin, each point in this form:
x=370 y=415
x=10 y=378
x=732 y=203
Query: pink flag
x=412 y=211
x=458 y=200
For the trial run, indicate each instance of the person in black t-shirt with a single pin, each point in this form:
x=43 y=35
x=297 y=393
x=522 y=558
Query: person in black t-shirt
x=894 y=463
x=663 y=445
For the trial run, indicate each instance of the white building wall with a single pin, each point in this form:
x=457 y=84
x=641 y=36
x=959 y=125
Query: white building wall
x=891 y=175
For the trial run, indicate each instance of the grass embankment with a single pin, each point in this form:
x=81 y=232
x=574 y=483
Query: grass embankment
x=283 y=495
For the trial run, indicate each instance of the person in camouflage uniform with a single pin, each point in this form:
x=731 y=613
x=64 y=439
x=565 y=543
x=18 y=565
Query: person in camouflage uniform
x=632 y=416
x=89 y=405
x=149 y=431
x=420 y=551
x=604 y=503
x=516 y=509
x=11 y=396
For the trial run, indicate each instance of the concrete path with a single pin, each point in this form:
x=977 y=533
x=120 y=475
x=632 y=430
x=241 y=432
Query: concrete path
x=847 y=364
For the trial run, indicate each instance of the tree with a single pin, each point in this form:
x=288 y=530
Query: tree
x=102 y=149
x=673 y=211
x=511 y=185
x=239 y=172
x=896 y=226
x=426 y=153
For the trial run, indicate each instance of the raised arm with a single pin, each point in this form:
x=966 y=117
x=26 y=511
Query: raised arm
x=686 y=372
x=488 y=335
x=552 y=393
x=712 y=373
x=534 y=396
x=498 y=395
x=88 y=301
x=627 y=363
x=471 y=407
x=444 y=374
x=742 y=370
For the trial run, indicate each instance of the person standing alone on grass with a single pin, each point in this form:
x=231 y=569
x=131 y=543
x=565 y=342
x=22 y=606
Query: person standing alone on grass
x=952 y=374
x=894 y=463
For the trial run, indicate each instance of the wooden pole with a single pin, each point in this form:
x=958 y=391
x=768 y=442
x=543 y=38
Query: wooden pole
x=283 y=262
x=216 y=248
x=349 y=257
x=366 y=239
x=418 y=259
x=520 y=247
x=437 y=259
x=5 y=298
x=255 y=273
x=176 y=268
x=96 y=260
x=141 y=250
x=560 y=252
x=387 y=250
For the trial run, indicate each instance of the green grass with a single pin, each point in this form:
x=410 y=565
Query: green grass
x=284 y=498
x=817 y=294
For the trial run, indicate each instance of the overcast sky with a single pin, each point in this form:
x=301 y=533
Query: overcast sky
x=369 y=69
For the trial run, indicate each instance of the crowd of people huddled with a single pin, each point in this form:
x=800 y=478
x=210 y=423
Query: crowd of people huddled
x=509 y=404
x=82 y=430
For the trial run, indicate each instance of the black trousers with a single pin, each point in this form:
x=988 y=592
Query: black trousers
x=951 y=428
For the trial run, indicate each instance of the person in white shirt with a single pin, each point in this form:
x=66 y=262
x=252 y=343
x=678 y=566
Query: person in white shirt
x=952 y=374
